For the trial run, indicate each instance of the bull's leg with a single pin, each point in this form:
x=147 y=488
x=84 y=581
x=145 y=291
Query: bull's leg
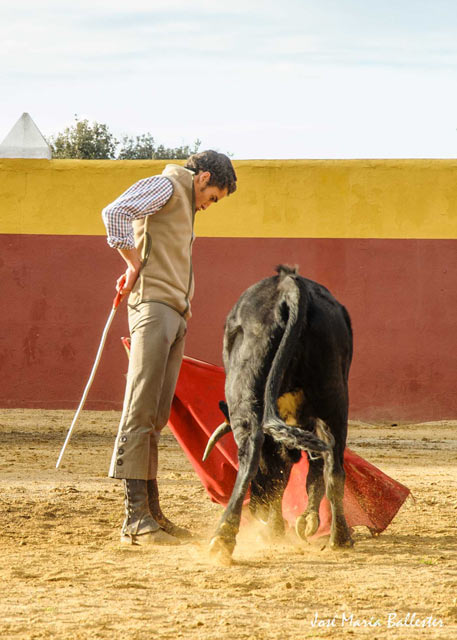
x=266 y=499
x=307 y=524
x=249 y=441
x=268 y=486
x=266 y=507
x=326 y=475
x=334 y=477
x=275 y=522
x=259 y=504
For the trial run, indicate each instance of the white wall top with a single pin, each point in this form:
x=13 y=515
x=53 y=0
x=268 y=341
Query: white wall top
x=25 y=140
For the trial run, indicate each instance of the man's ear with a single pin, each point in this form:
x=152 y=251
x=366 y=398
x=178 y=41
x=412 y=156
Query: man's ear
x=202 y=178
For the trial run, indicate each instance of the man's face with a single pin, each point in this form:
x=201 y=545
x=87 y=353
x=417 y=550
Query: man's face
x=205 y=195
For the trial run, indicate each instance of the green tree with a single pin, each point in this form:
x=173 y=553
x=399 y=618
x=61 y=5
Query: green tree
x=138 y=148
x=178 y=153
x=143 y=148
x=95 y=141
x=83 y=140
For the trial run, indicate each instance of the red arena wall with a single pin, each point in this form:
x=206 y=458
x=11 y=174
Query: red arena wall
x=391 y=260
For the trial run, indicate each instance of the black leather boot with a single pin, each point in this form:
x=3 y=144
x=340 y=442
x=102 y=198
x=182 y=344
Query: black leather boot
x=156 y=511
x=139 y=526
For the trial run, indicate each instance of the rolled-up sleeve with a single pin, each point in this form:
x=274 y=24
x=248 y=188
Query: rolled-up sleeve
x=144 y=198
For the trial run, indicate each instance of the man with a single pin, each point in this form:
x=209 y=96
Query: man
x=151 y=225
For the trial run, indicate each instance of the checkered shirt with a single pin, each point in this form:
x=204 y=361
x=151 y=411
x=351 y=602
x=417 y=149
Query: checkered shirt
x=142 y=199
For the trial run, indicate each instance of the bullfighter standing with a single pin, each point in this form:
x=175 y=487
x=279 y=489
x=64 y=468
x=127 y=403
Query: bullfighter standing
x=151 y=225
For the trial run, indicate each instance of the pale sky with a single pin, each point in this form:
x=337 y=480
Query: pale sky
x=260 y=79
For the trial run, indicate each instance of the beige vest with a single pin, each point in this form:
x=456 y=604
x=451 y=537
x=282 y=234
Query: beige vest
x=164 y=240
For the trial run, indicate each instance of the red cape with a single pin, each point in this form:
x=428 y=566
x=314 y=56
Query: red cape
x=371 y=498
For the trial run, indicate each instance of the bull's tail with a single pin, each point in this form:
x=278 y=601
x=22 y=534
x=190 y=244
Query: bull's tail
x=290 y=310
x=293 y=437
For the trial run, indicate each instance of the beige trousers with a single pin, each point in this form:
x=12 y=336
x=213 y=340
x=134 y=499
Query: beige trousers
x=158 y=335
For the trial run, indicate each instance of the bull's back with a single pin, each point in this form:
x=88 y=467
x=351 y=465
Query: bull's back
x=328 y=323
x=255 y=325
x=325 y=316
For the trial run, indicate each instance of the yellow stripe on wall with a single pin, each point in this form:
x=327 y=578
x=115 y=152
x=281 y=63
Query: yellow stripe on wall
x=275 y=198
x=63 y=197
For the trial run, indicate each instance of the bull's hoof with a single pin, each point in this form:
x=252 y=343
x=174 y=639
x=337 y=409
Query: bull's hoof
x=277 y=528
x=220 y=551
x=306 y=525
x=341 y=546
x=341 y=542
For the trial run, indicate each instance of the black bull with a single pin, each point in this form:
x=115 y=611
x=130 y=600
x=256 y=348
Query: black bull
x=287 y=352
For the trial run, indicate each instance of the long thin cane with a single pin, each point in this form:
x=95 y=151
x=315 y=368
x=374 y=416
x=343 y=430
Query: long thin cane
x=116 y=302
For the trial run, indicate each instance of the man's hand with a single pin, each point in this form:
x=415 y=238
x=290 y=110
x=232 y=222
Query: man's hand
x=133 y=261
x=125 y=282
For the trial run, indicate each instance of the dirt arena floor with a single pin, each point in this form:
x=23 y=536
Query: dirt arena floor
x=64 y=574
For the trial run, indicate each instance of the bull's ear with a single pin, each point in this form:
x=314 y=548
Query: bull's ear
x=224 y=408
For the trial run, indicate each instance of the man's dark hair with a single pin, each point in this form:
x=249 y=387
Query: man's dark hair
x=219 y=165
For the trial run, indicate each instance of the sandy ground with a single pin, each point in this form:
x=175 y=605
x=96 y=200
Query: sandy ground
x=65 y=575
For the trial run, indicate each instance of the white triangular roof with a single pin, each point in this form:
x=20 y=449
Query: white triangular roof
x=25 y=140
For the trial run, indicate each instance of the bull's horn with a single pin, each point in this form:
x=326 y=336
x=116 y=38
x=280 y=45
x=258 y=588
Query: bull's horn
x=217 y=434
